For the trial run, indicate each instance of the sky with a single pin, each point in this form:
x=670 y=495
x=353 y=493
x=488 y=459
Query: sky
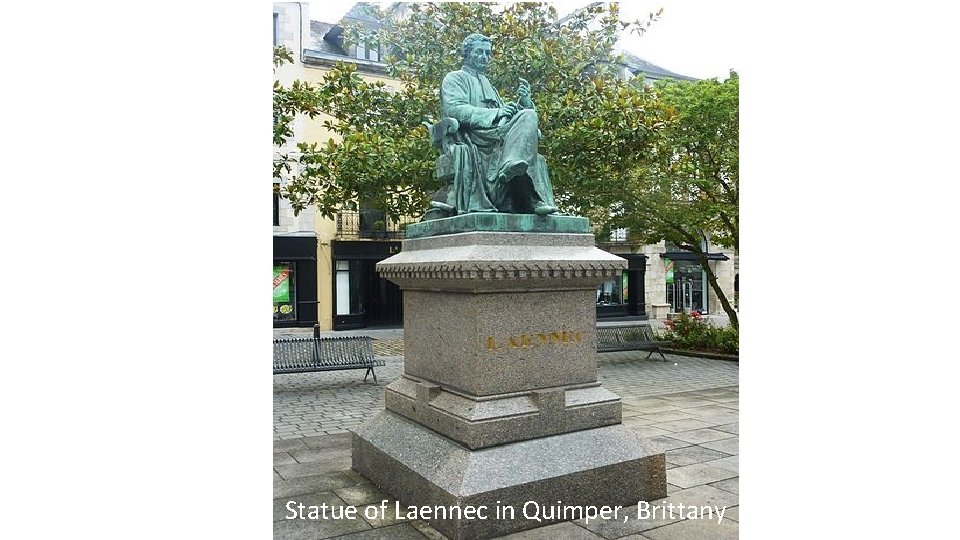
x=692 y=37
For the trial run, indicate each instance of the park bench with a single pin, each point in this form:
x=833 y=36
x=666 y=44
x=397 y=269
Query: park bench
x=630 y=338
x=301 y=355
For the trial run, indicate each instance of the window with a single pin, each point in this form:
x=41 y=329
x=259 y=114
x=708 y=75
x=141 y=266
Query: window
x=284 y=292
x=343 y=287
x=276 y=29
x=686 y=281
x=368 y=53
x=276 y=205
x=613 y=292
x=350 y=297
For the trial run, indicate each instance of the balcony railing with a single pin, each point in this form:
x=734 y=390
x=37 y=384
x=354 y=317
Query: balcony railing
x=372 y=224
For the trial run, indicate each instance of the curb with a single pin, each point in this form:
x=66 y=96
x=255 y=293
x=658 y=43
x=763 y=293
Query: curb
x=703 y=354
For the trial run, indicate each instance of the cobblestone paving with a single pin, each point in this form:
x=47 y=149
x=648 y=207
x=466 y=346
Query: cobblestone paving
x=629 y=375
x=311 y=404
x=686 y=407
x=697 y=429
x=388 y=347
x=308 y=404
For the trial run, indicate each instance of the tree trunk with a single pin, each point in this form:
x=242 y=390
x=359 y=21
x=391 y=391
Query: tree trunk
x=691 y=243
x=715 y=285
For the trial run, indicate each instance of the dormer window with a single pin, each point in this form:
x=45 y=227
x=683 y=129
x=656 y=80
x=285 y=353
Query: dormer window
x=368 y=53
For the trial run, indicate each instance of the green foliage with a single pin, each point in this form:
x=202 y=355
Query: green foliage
x=693 y=333
x=596 y=127
x=662 y=161
x=383 y=156
x=288 y=102
x=690 y=187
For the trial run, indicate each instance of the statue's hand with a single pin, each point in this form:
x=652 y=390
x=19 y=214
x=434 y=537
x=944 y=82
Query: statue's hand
x=523 y=94
x=523 y=91
x=508 y=110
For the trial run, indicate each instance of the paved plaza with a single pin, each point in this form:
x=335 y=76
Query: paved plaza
x=686 y=407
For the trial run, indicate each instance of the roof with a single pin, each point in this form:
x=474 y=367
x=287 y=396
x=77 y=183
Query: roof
x=639 y=66
x=326 y=45
x=327 y=39
x=321 y=43
x=363 y=12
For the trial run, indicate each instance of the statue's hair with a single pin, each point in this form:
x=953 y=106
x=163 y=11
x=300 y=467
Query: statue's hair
x=472 y=41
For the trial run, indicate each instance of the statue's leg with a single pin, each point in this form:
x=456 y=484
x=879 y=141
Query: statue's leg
x=520 y=137
x=522 y=196
x=468 y=185
x=440 y=204
x=544 y=202
x=524 y=168
x=532 y=192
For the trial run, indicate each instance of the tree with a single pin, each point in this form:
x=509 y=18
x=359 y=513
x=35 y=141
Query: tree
x=661 y=161
x=691 y=189
x=299 y=98
x=596 y=127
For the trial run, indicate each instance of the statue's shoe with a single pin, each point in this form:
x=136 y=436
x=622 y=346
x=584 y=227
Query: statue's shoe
x=543 y=209
x=515 y=169
x=442 y=206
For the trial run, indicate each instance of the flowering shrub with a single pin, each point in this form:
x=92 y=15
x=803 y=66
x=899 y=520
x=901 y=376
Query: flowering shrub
x=694 y=333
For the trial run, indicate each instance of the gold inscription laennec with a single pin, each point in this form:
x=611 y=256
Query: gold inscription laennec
x=527 y=341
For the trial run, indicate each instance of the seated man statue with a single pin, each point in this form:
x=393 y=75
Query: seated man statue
x=491 y=146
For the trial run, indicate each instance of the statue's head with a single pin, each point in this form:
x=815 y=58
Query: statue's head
x=477 y=50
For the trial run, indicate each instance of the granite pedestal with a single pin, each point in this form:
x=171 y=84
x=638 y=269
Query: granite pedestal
x=499 y=400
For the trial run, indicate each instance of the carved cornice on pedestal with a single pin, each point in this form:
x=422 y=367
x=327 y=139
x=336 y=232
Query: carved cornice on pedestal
x=501 y=261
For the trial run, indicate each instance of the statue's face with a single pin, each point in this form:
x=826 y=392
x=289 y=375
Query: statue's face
x=479 y=56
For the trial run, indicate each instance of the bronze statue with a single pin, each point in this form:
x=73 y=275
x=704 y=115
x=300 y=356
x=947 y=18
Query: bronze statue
x=488 y=146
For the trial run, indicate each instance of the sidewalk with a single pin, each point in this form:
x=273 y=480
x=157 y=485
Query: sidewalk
x=687 y=407
x=331 y=402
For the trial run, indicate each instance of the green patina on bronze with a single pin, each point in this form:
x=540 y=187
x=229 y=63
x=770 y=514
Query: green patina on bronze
x=488 y=147
x=498 y=222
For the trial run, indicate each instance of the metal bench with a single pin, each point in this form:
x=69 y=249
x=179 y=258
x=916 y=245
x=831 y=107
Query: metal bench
x=301 y=355
x=630 y=338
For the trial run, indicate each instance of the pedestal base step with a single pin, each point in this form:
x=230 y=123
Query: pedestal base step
x=494 y=420
x=595 y=467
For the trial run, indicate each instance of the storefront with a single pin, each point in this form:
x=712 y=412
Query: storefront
x=624 y=297
x=294 y=281
x=361 y=297
x=686 y=282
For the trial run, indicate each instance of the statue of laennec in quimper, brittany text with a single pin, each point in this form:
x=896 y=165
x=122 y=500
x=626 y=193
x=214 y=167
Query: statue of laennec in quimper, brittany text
x=488 y=147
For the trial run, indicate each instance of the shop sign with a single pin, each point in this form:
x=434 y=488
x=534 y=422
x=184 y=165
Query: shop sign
x=281 y=284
